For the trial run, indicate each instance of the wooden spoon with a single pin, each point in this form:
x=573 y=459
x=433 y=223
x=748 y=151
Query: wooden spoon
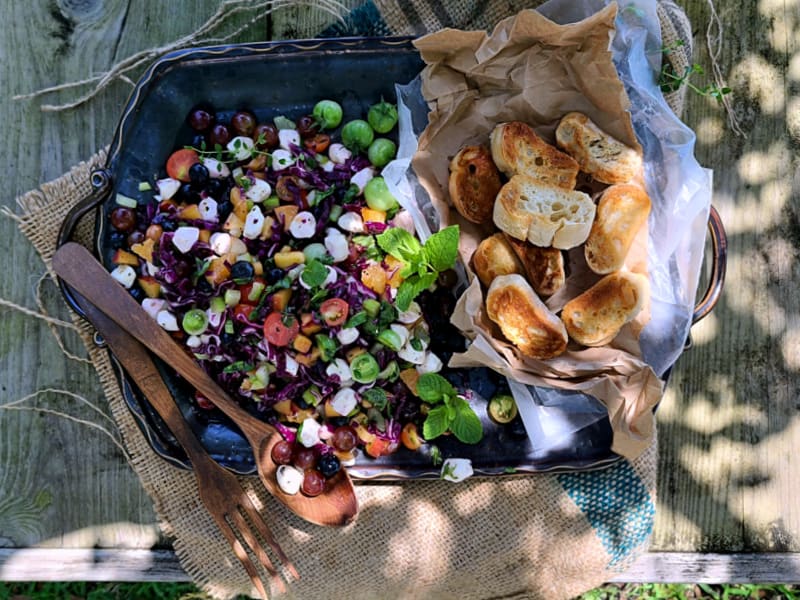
x=336 y=506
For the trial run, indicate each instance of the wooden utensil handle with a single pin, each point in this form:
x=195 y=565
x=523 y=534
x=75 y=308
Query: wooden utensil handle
x=135 y=359
x=81 y=270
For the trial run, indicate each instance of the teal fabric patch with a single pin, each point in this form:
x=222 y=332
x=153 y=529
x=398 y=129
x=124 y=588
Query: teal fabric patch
x=364 y=20
x=617 y=506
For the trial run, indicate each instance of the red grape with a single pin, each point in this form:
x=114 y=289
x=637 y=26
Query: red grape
x=243 y=123
x=282 y=453
x=220 y=134
x=307 y=126
x=123 y=219
x=313 y=483
x=266 y=136
x=200 y=119
x=344 y=438
x=304 y=458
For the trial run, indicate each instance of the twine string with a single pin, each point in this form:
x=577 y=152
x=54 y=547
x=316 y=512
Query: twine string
x=714 y=35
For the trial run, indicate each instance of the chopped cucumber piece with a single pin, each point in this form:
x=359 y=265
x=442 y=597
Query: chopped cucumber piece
x=217 y=304
x=364 y=368
x=144 y=186
x=232 y=297
x=390 y=339
x=372 y=307
x=126 y=201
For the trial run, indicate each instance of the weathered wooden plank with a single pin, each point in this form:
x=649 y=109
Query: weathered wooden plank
x=61 y=483
x=730 y=428
x=301 y=22
x=35 y=564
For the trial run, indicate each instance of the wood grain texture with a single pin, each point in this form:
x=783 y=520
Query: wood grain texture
x=730 y=425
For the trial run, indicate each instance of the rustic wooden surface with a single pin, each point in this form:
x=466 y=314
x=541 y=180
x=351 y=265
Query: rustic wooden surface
x=729 y=425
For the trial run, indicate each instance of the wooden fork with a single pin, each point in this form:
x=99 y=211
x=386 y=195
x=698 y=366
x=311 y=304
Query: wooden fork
x=220 y=491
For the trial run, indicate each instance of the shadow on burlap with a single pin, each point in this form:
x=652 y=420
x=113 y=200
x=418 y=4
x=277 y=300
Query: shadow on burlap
x=546 y=536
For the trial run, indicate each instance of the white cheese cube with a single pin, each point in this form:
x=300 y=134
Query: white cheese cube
x=344 y=401
x=408 y=353
x=339 y=154
x=362 y=178
x=456 y=469
x=411 y=315
x=432 y=364
x=208 y=209
x=153 y=306
x=289 y=479
x=288 y=138
x=168 y=187
x=258 y=191
x=125 y=275
x=341 y=369
x=241 y=147
x=185 y=237
x=308 y=434
x=253 y=224
x=347 y=335
x=336 y=245
x=216 y=168
x=352 y=222
x=167 y=320
x=281 y=159
x=304 y=225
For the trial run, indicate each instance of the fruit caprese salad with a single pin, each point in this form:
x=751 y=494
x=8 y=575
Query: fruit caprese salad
x=275 y=252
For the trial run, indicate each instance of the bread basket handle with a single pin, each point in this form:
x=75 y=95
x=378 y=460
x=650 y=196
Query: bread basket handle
x=719 y=259
x=101 y=184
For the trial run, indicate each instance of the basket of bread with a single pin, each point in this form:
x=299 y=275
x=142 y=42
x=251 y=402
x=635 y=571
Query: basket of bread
x=582 y=212
x=539 y=214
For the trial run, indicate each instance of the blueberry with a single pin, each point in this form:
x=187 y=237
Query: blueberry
x=242 y=272
x=204 y=287
x=329 y=465
x=227 y=338
x=137 y=293
x=274 y=275
x=215 y=187
x=117 y=239
x=198 y=175
x=199 y=141
x=188 y=193
x=224 y=209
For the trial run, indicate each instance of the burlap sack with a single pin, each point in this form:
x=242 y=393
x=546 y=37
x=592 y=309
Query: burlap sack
x=548 y=536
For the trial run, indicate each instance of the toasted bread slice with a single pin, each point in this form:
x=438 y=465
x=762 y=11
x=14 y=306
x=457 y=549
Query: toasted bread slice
x=622 y=211
x=494 y=257
x=524 y=319
x=544 y=267
x=602 y=156
x=545 y=215
x=596 y=316
x=473 y=184
x=517 y=149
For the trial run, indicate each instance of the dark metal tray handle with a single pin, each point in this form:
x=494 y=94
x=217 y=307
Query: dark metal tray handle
x=719 y=261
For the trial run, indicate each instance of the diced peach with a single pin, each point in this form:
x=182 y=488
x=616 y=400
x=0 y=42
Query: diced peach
x=284 y=260
x=189 y=212
x=217 y=271
x=123 y=257
x=280 y=300
x=283 y=407
x=353 y=352
x=205 y=236
x=374 y=277
x=309 y=359
x=370 y=215
x=257 y=163
x=285 y=213
x=363 y=433
x=150 y=286
x=393 y=266
x=381 y=447
x=258 y=267
x=179 y=163
x=410 y=377
x=266 y=230
x=144 y=249
x=302 y=344
x=233 y=225
x=307 y=324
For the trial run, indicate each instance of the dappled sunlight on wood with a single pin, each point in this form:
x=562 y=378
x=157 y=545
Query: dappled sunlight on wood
x=760 y=167
x=723 y=459
x=757 y=79
x=704 y=416
x=749 y=300
x=706 y=331
x=670 y=520
x=121 y=534
x=790 y=347
x=710 y=130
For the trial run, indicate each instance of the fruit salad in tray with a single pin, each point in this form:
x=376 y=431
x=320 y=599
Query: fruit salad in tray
x=275 y=252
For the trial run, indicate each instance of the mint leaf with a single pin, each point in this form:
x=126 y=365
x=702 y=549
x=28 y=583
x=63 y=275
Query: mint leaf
x=400 y=244
x=314 y=274
x=411 y=288
x=441 y=249
x=436 y=423
x=432 y=388
x=466 y=425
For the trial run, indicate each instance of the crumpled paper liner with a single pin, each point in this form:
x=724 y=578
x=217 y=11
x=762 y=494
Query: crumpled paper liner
x=533 y=70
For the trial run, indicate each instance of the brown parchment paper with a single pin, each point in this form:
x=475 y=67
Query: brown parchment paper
x=533 y=70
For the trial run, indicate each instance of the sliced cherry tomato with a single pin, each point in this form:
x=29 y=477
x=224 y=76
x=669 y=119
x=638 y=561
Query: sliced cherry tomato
x=280 y=329
x=243 y=310
x=319 y=143
x=334 y=311
x=203 y=402
x=251 y=292
x=381 y=447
